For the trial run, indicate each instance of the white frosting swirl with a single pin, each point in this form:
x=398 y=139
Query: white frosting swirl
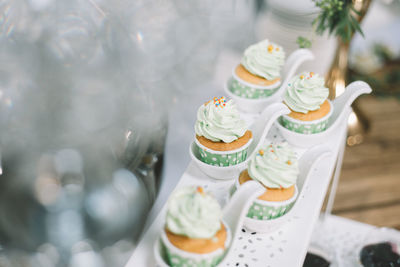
x=264 y=59
x=193 y=213
x=220 y=122
x=306 y=92
x=275 y=166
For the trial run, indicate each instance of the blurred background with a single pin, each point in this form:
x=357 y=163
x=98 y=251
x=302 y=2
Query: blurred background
x=98 y=100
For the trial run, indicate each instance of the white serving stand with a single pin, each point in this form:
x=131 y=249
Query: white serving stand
x=284 y=247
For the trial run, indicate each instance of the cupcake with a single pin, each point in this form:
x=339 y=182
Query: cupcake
x=194 y=234
x=222 y=137
x=259 y=73
x=276 y=167
x=307 y=98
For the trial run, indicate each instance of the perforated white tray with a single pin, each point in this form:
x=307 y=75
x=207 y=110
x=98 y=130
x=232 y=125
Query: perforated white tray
x=285 y=247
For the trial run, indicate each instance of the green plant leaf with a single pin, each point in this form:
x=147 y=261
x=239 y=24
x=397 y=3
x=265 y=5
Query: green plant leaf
x=357 y=27
x=336 y=18
x=354 y=10
x=303 y=42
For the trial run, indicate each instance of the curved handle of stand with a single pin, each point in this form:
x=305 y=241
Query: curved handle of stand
x=308 y=161
x=263 y=124
x=235 y=211
x=292 y=64
x=352 y=91
x=344 y=101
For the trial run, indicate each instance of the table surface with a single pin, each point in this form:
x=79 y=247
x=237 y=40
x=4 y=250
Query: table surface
x=343 y=238
x=369 y=188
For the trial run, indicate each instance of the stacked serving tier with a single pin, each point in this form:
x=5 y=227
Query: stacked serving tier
x=286 y=246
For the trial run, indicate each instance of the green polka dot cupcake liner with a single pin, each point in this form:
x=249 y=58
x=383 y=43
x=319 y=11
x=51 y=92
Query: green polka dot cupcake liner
x=306 y=127
x=222 y=158
x=176 y=257
x=249 y=92
x=267 y=210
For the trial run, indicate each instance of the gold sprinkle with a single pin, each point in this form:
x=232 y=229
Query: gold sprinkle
x=301 y=77
x=311 y=74
x=270 y=48
x=289 y=162
x=277 y=49
x=261 y=152
x=200 y=190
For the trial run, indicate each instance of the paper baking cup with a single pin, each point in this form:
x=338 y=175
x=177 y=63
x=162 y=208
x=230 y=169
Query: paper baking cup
x=306 y=127
x=180 y=258
x=268 y=210
x=239 y=89
x=222 y=158
x=245 y=89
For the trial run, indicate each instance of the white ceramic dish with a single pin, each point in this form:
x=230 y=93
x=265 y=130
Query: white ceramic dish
x=196 y=257
x=306 y=163
x=259 y=129
x=307 y=127
x=290 y=67
x=341 y=112
x=233 y=215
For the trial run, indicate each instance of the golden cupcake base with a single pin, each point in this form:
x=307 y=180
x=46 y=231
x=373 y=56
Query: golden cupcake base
x=198 y=245
x=312 y=115
x=246 y=76
x=222 y=146
x=272 y=194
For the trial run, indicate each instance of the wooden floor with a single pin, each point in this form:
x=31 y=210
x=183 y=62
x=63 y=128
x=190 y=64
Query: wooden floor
x=369 y=188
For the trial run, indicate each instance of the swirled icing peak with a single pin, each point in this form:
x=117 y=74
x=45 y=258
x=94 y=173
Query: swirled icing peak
x=275 y=166
x=306 y=92
x=264 y=59
x=193 y=213
x=219 y=120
